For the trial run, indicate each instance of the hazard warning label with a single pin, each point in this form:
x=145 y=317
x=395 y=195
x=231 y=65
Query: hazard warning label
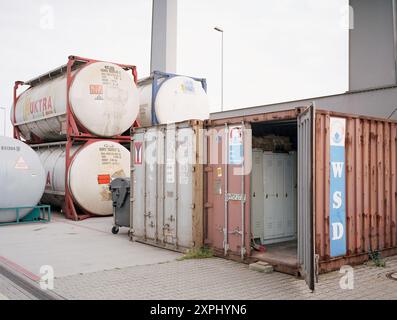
x=21 y=164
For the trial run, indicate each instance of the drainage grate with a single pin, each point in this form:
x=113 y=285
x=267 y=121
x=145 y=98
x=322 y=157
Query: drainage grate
x=392 y=275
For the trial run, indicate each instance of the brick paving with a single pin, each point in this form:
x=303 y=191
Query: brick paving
x=221 y=279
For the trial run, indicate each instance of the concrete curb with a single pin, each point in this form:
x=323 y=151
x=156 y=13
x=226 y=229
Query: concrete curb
x=27 y=284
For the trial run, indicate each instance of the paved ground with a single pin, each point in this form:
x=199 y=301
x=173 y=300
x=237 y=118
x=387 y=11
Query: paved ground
x=74 y=247
x=92 y=263
x=221 y=279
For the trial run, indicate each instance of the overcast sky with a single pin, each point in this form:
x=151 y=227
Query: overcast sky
x=275 y=50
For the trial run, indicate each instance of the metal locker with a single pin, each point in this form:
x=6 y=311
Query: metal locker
x=289 y=195
x=271 y=173
x=257 y=201
x=279 y=214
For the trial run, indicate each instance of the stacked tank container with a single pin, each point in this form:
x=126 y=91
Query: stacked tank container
x=167 y=98
x=77 y=117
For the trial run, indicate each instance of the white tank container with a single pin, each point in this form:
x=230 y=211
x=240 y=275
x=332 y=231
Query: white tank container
x=178 y=99
x=103 y=97
x=91 y=170
x=22 y=178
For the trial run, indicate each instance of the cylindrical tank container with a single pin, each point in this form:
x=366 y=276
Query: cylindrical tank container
x=103 y=97
x=346 y=203
x=93 y=166
x=176 y=99
x=167 y=185
x=22 y=178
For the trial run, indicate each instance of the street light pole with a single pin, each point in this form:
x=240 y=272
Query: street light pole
x=4 y=122
x=221 y=31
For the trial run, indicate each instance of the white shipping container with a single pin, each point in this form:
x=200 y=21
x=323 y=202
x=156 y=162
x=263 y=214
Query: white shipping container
x=167 y=185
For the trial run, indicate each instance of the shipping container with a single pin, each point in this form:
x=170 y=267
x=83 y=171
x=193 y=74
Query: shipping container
x=323 y=197
x=167 y=185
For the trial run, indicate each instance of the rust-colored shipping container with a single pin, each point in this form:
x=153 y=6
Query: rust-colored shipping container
x=345 y=190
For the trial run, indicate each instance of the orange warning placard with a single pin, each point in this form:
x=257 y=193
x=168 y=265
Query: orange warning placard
x=96 y=89
x=103 y=179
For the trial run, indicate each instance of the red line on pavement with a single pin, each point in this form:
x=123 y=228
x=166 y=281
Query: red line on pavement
x=16 y=267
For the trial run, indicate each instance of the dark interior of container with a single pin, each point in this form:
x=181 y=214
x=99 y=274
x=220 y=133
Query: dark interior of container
x=277 y=243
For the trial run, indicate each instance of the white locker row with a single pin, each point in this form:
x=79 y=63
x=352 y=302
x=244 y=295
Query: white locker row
x=273 y=212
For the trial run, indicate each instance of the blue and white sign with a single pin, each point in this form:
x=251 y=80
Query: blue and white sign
x=337 y=210
x=236 y=145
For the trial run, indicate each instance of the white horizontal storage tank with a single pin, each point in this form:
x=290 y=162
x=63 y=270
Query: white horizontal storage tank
x=22 y=178
x=104 y=99
x=178 y=98
x=92 y=168
x=167 y=186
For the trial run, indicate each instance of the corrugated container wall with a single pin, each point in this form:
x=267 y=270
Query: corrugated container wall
x=371 y=188
x=167 y=185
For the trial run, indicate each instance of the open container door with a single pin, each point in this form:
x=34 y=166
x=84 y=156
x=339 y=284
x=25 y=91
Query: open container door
x=306 y=162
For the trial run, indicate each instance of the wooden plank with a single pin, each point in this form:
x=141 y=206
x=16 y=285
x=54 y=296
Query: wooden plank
x=198 y=191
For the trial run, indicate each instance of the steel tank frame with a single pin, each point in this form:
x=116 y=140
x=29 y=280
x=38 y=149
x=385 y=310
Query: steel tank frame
x=75 y=133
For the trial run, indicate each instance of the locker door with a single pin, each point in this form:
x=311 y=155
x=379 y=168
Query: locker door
x=294 y=192
x=288 y=195
x=257 y=223
x=278 y=200
x=273 y=208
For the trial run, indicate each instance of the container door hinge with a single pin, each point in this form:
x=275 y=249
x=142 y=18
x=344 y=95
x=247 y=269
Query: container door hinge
x=208 y=169
x=207 y=205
